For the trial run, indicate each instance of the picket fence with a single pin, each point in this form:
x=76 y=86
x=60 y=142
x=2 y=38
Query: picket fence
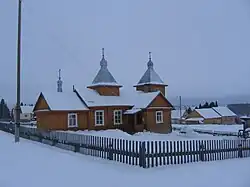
x=145 y=154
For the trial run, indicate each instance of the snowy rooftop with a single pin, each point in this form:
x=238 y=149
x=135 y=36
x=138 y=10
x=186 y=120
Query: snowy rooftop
x=195 y=119
x=27 y=109
x=224 y=111
x=150 y=76
x=134 y=98
x=63 y=101
x=132 y=111
x=208 y=113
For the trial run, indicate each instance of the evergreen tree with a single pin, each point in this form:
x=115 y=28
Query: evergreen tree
x=212 y=104
x=206 y=105
x=21 y=104
x=4 y=110
x=216 y=104
x=189 y=110
x=200 y=106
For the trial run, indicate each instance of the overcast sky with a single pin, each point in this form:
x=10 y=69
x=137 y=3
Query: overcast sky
x=200 y=48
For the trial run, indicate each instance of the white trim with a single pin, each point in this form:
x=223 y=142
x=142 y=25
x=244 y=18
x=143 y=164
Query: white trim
x=42 y=110
x=159 y=107
x=76 y=120
x=114 y=114
x=156 y=114
x=101 y=124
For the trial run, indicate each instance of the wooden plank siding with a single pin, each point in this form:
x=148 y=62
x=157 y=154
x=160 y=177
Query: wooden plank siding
x=158 y=104
x=58 y=120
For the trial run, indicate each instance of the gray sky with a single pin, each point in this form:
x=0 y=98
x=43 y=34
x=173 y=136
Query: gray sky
x=200 y=48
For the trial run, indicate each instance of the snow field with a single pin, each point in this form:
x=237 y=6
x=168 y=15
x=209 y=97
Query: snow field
x=57 y=167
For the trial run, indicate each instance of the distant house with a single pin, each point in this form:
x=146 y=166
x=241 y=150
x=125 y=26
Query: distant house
x=26 y=113
x=106 y=105
x=177 y=116
x=204 y=115
x=227 y=116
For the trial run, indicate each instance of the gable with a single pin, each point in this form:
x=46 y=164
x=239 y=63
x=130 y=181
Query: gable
x=194 y=114
x=41 y=103
x=160 y=101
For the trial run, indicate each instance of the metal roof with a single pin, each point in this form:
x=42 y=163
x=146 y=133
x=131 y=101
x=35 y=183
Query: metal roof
x=104 y=77
x=150 y=76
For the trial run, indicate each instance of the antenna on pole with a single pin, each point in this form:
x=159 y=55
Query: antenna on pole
x=59 y=74
x=180 y=109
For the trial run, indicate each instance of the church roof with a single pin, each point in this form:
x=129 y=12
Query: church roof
x=150 y=76
x=104 y=77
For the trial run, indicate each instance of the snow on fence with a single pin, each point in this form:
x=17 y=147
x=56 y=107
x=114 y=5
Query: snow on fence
x=145 y=154
x=211 y=132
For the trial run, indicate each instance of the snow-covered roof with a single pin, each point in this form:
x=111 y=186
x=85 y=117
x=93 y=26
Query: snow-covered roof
x=224 y=111
x=207 y=113
x=194 y=119
x=175 y=114
x=134 y=98
x=245 y=117
x=61 y=101
x=150 y=76
x=27 y=109
x=132 y=111
x=104 y=77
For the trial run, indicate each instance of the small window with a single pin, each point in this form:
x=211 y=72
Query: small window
x=159 y=116
x=72 y=120
x=117 y=117
x=99 y=117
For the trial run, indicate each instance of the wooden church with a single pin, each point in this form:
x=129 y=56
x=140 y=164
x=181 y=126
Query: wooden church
x=105 y=104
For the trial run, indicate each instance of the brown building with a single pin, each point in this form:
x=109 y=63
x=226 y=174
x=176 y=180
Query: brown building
x=204 y=115
x=227 y=116
x=215 y=115
x=106 y=105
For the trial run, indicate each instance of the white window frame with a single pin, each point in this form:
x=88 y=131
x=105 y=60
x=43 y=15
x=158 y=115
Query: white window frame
x=70 y=118
x=115 y=112
x=156 y=119
x=96 y=120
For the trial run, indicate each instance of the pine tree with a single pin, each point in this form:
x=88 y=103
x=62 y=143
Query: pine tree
x=189 y=110
x=200 y=106
x=216 y=104
x=212 y=104
x=206 y=105
x=4 y=110
x=21 y=104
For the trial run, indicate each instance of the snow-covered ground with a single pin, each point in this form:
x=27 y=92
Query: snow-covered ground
x=147 y=136
x=213 y=127
x=31 y=164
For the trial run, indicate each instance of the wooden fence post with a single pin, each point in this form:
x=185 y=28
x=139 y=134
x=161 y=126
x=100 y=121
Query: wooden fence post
x=110 y=150
x=142 y=155
x=240 y=152
x=77 y=148
x=202 y=149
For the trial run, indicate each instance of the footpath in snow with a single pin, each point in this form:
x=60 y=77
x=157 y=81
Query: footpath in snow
x=31 y=164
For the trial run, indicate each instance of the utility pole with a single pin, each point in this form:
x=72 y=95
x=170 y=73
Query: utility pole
x=180 y=109
x=18 y=93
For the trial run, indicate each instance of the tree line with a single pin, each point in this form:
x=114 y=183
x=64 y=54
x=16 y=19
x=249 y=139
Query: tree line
x=205 y=105
x=4 y=110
